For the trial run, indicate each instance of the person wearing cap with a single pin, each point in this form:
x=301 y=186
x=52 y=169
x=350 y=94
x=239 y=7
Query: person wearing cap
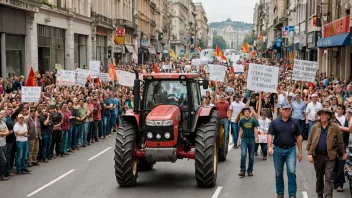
x=286 y=133
x=324 y=141
x=298 y=111
x=234 y=110
x=223 y=108
x=21 y=131
x=34 y=136
x=311 y=111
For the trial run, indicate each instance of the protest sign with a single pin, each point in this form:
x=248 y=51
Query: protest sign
x=94 y=68
x=262 y=78
x=207 y=54
x=81 y=76
x=235 y=58
x=217 y=72
x=58 y=66
x=304 y=70
x=187 y=67
x=125 y=78
x=30 y=94
x=198 y=62
x=104 y=77
x=238 y=68
x=65 y=78
x=204 y=91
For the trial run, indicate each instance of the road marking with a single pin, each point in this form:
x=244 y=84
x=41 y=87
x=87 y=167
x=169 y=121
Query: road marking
x=305 y=194
x=50 y=183
x=217 y=192
x=95 y=156
x=230 y=147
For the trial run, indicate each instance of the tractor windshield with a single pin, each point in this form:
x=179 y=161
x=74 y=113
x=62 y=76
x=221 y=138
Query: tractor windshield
x=165 y=92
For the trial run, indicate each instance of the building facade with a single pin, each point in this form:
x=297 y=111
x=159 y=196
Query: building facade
x=202 y=24
x=233 y=38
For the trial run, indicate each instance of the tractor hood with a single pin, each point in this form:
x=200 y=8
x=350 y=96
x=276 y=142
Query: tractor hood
x=164 y=112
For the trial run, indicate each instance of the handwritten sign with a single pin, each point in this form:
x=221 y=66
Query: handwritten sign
x=31 y=94
x=81 y=76
x=94 y=68
x=104 y=77
x=235 y=58
x=262 y=78
x=58 y=66
x=125 y=78
x=238 y=68
x=198 y=62
x=217 y=72
x=304 y=70
x=65 y=78
x=207 y=54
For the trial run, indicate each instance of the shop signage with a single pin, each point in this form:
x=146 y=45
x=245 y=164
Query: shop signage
x=101 y=32
x=339 y=26
x=287 y=30
x=144 y=42
x=120 y=33
x=278 y=42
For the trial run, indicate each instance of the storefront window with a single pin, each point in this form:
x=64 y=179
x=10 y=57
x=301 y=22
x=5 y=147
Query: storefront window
x=14 y=54
x=102 y=49
x=80 y=50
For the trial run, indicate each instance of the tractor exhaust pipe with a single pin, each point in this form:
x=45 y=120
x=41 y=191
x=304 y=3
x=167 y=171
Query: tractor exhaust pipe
x=136 y=92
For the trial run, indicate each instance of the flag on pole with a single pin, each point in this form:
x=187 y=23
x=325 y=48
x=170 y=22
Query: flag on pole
x=112 y=72
x=199 y=49
x=31 y=81
x=245 y=48
x=218 y=51
x=172 y=54
x=155 y=68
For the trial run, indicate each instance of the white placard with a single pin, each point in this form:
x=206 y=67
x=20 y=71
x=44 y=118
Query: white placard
x=125 y=78
x=217 y=72
x=207 y=54
x=30 y=94
x=65 y=78
x=235 y=58
x=198 y=62
x=81 y=76
x=94 y=68
x=187 y=67
x=104 y=77
x=204 y=91
x=262 y=78
x=304 y=70
x=238 y=68
x=166 y=66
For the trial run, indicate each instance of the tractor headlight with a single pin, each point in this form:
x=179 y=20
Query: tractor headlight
x=167 y=135
x=150 y=135
x=158 y=136
x=168 y=122
x=150 y=123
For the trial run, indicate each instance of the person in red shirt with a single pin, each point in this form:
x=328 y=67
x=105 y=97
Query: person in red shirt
x=223 y=106
x=97 y=123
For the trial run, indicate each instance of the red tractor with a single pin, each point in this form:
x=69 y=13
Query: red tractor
x=168 y=122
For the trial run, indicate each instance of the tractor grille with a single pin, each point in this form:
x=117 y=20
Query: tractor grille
x=160 y=130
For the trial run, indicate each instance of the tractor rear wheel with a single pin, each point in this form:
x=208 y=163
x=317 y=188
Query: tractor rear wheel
x=126 y=164
x=144 y=165
x=206 y=160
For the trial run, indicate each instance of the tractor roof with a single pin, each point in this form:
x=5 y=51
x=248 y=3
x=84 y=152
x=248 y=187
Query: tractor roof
x=171 y=76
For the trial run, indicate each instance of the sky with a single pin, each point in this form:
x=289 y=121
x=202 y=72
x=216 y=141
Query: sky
x=237 y=10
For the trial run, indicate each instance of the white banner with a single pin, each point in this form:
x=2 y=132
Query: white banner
x=238 y=68
x=65 y=78
x=81 y=76
x=104 y=77
x=207 y=54
x=304 y=70
x=94 y=68
x=262 y=78
x=30 y=94
x=235 y=58
x=125 y=78
x=198 y=62
x=217 y=72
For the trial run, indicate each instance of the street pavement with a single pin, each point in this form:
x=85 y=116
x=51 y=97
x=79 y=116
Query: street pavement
x=90 y=173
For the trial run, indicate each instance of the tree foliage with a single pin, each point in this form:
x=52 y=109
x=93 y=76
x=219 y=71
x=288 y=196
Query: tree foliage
x=220 y=41
x=250 y=38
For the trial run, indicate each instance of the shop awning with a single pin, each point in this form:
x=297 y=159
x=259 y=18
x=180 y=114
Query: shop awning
x=152 y=50
x=130 y=49
x=341 y=40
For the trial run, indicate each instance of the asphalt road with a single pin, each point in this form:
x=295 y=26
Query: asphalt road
x=90 y=173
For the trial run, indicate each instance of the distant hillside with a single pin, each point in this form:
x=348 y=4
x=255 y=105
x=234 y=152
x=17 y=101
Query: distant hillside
x=237 y=25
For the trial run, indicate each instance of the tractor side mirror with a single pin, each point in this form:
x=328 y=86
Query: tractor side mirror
x=136 y=93
x=205 y=84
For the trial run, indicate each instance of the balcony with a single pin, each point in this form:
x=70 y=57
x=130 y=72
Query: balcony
x=101 y=19
x=125 y=23
x=153 y=23
x=153 y=38
x=165 y=28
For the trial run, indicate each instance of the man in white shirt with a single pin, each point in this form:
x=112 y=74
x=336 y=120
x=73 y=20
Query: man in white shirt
x=281 y=99
x=235 y=109
x=21 y=131
x=311 y=111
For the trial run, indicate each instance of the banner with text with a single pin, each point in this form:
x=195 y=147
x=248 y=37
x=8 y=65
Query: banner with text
x=30 y=94
x=81 y=76
x=262 y=78
x=125 y=78
x=104 y=77
x=207 y=54
x=94 y=68
x=238 y=68
x=217 y=72
x=65 y=78
x=235 y=58
x=198 y=62
x=304 y=70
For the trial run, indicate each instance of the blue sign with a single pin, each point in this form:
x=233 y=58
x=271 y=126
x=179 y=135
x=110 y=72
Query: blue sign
x=278 y=42
x=335 y=41
x=144 y=42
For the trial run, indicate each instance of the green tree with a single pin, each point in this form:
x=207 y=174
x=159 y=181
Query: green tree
x=202 y=44
x=249 y=38
x=219 y=40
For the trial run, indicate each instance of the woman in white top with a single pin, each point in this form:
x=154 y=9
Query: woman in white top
x=263 y=128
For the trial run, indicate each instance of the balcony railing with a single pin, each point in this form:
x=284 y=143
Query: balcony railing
x=125 y=23
x=153 y=23
x=101 y=18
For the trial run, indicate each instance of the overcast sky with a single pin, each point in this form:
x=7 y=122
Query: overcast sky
x=237 y=10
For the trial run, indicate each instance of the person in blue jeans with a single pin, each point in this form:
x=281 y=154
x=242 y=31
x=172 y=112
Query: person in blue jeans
x=21 y=131
x=287 y=136
x=106 y=116
x=247 y=138
x=46 y=126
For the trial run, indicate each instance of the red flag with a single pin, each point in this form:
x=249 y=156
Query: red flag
x=97 y=80
x=31 y=81
x=223 y=57
x=233 y=72
x=155 y=68
x=218 y=51
x=112 y=72
x=199 y=49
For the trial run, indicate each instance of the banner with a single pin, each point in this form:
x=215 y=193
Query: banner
x=94 y=68
x=262 y=78
x=125 y=78
x=65 y=78
x=304 y=70
x=30 y=94
x=58 y=66
x=217 y=72
x=238 y=68
x=81 y=76
x=120 y=33
x=198 y=62
x=207 y=54
x=235 y=58
x=104 y=77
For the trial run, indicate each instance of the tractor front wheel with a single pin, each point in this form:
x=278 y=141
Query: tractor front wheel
x=206 y=161
x=126 y=164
